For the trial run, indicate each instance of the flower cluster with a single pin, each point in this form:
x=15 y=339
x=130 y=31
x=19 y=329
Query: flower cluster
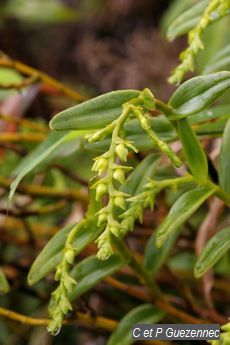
x=59 y=303
x=111 y=172
x=216 y=9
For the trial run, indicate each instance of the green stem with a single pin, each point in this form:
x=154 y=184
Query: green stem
x=163 y=146
x=164 y=108
x=172 y=182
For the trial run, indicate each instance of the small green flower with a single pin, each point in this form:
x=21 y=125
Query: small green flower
x=119 y=201
x=102 y=218
x=100 y=165
x=100 y=191
x=70 y=255
x=122 y=152
x=119 y=175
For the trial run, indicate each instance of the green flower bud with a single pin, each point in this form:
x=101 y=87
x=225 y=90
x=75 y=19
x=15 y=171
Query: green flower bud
x=70 y=255
x=101 y=219
x=100 y=165
x=127 y=224
x=144 y=123
x=55 y=324
x=122 y=152
x=104 y=245
x=69 y=282
x=119 y=201
x=115 y=231
x=119 y=175
x=104 y=253
x=65 y=305
x=100 y=191
x=58 y=273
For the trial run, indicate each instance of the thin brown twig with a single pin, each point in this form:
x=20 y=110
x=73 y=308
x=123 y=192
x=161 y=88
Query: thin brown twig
x=157 y=296
x=25 y=122
x=46 y=191
x=39 y=211
x=15 y=148
x=5 y=61
x=134 y=291
x=22 y=137
x=81 y=318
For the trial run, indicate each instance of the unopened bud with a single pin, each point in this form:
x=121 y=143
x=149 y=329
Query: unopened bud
x=58 y=273
x=122 y=152
x=144 y=123
x=119 y=201
x=119 y=175
x=127 y=224
x=115 y=231
x=100 y=165
x=100 y=191
x=101 y=219
x=70 y=255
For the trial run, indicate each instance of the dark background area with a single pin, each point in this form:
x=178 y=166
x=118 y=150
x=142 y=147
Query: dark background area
x=113 y=45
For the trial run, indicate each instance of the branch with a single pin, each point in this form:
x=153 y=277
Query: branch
x=45 y=191
x=22 y=137
x=25 y=122
x=5 y=61
x=81 y=318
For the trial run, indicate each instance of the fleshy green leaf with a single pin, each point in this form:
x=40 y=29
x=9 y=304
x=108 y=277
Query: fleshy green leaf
x=145 y=313
x=90 y=271
x=224 y=169
x=155 y=257
x=212 y=128
x=182 y=262
x=194 y=154
x=186 y=20
x=4 y=286
x=213 y=251
x=41 y=153
x=37 y=11
x=220 y=61
x=175 y=9
x=52 y=253
x=94 y=113
x=212 y=113
x=182 y=209
x=199 y=92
